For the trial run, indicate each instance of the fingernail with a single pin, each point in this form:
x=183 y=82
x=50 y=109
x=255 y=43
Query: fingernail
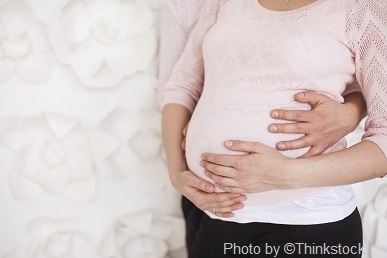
x=300 y=95
x=273 y=128
x=281 y=146
x=239 y=206
x=229 y=143
x=209 y=188
x=274 y=114
x=202 y=163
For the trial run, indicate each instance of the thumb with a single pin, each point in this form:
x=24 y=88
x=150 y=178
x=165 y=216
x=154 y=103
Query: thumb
x=311 y=97
x=195 y=182
x=243 y=146
x=185 y=129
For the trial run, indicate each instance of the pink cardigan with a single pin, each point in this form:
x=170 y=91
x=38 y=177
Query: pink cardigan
x=177 y=21
x=255 y=60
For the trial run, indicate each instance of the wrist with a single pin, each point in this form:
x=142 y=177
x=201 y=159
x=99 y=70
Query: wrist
x=174 y=177
x=355 y=108
x=176 y=166
x=352 y=118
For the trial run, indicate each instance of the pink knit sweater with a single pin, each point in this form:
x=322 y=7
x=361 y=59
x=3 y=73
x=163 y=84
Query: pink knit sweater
x=252 y=60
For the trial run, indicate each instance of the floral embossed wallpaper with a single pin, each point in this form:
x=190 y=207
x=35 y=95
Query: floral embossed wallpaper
x=82 y=170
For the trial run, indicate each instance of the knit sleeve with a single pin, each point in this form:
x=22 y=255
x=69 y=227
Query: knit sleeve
x=186 y=82
x=177 y=20
x=351 y=88
x=367 y=28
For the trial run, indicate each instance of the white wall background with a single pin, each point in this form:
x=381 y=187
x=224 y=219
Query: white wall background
x=81 y=168
x=82 y=173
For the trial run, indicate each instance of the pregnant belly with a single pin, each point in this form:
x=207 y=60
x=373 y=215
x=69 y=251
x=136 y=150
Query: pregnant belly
x=211 y=126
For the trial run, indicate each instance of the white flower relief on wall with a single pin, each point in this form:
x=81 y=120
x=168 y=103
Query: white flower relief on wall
x=143 y=235
x=57 y=154
x=375 y=225
x=151 y=172
x=154 y=4
x=53 y=238
x=51 y=154
x=24 y=44
x=104 y=41
x=140 y=148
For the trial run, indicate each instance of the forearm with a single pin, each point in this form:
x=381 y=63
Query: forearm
x=358 y=163
x=175 y=117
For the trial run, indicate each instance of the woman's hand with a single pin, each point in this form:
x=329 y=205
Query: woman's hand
x=326 y=123
x=201 y=193
x=260 y=170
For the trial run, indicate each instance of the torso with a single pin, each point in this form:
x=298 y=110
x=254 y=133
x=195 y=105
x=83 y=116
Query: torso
x=248 y=74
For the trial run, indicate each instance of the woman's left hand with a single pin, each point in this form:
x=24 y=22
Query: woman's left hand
x=262 y=169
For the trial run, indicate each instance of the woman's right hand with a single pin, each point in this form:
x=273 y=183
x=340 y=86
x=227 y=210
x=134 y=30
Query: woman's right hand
x=202 y=193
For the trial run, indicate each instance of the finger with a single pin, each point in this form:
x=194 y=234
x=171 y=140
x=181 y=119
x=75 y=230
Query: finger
x=225 y=209
x=207 y=201
x=220 y=159
x=311 y=97
x=291 y=128
x=314 y=151
x=185 y=134
x=221 y=180
x=218 y=169
x=230 y=208
x=186 y=128
x=291 y=115
x=183 y=144
x=299 y=143
x=232 y=189
x=231 y=204
x=262 y=188
x=225 y=215
x=218 y=198
x=194 y=181
x=243 y=146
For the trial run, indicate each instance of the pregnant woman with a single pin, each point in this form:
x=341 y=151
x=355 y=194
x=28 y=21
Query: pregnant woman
x=253 y=56
x=327 y=121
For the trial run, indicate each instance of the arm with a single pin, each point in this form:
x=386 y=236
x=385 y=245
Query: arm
x=177 y=20
x=327 y=122
x=264 y=168
x=184 y=87
x=367 y=159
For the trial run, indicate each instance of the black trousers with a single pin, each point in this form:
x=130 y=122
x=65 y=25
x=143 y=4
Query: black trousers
x=193 y=216
x=217 y=238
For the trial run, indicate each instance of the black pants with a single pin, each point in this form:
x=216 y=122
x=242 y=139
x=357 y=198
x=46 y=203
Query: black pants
x=217 y=238
x=193 y=216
